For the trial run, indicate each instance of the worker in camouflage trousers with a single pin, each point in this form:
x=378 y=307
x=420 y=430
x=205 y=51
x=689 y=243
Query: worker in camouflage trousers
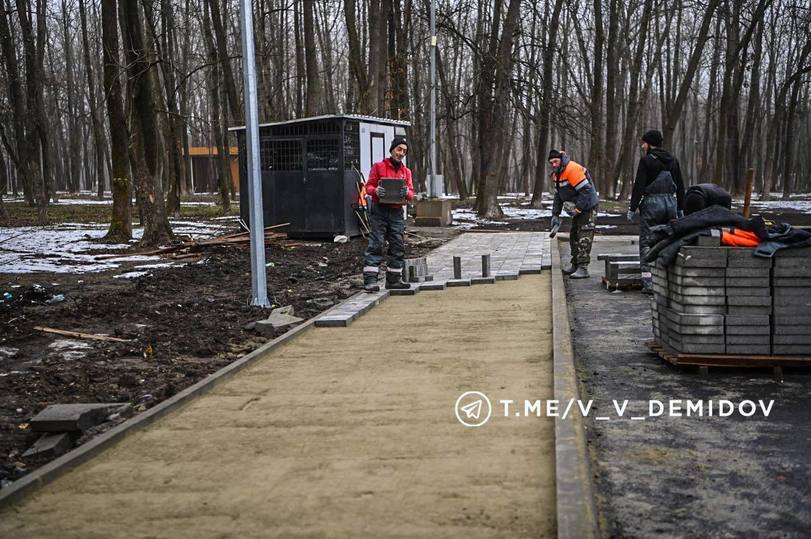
x=387 y=221
x=575 y=193
x=658 y=194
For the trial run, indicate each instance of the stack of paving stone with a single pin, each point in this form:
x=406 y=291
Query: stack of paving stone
x=749 y=302
x=791 y=288
x=724 y=300
x=689 y=301
x=621 y=271
x=415 y=270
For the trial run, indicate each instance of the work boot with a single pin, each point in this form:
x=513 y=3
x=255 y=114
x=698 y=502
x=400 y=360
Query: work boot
x=580 y=273
x=393 y=281
x=569 y=270
x=370 y=282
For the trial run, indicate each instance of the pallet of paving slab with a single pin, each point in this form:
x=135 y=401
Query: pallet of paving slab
x=726 y=360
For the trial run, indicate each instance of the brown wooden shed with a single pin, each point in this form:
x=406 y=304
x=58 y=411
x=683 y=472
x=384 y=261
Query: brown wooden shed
x=204 y=168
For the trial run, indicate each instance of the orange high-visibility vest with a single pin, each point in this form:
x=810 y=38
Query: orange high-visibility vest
x=574 y=174
x=739 y=238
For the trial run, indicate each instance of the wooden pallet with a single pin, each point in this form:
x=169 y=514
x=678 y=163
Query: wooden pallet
x=704 y=361
x=621 y=286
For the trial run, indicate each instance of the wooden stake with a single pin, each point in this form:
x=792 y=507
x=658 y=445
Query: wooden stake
x=80 y=335
x=750 y=180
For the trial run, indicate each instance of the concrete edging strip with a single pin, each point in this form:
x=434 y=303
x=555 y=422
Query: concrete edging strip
x=576 y=510
x=58 y=467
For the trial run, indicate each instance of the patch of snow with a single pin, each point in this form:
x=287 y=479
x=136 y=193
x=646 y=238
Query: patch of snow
x=8 y=351
x=131 y=275
x=158 y=265
x=606 y=226
x=83 y=202
x=69 y=344
x=511 y=212
x=70 y=349
x=134 y=258
x=107 y=201
x=67 y=248
x=201 y=203
x=465 y=219
x=801 y=206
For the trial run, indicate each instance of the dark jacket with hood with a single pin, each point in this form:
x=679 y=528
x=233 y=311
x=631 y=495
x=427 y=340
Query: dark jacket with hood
x=573 y=183
x=704 y=195
x=656 y=160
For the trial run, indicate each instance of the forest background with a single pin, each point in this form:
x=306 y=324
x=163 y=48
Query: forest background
x=110 y=95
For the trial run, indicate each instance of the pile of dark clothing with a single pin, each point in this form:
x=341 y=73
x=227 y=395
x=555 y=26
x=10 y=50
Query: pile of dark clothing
x=667 y=239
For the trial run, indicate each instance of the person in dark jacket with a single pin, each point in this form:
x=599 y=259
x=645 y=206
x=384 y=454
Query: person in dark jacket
x=387 y=222
x=658 y=194
x=704 y=195
x=574 y=192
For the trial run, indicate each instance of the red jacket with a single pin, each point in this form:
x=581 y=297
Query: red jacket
x=385 y=169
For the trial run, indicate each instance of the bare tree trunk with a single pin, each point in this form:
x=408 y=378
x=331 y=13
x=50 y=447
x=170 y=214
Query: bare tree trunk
x=18 y=107
x=546 y=106
x=143 y=153
x=597 y=150
x=398 y=31
x=634 y=104
x=223 y=176
x=376 y=56
x=3 y=189
x=704 y=171
x=674 y=110
x=32 y=156
x=383 y=97
x=98 y=132
x=453 y=174
x=612 y=108
x=356 y=66
x=495 y=114
x=74 y=154
x=301 y=67
x=313 y=83
x=222 y=50
x=121 y=224
x=789 y=141
x=752 y=108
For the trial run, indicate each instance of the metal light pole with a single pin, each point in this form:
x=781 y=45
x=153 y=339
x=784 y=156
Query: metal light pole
x=432 y=179
x=258 y=275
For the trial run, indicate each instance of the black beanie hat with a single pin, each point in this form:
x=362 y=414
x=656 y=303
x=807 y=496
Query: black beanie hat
x=397 y=141
x=653 y=137
x=554 y=154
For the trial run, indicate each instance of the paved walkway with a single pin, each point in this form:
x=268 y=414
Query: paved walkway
x=340 y=432
x=511 y=254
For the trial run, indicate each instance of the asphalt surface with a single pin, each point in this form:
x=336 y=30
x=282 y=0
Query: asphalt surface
x=684 y=476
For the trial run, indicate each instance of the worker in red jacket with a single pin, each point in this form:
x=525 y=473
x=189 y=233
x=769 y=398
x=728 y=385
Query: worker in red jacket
x=387 y=220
